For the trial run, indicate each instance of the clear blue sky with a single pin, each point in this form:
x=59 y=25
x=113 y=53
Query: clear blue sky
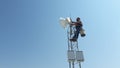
x=31 y=36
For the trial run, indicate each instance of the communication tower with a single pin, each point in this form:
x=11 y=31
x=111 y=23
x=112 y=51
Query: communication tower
x=73 y=53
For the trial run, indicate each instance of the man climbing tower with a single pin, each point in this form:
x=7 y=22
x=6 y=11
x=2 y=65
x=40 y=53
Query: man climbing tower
x=78 y=25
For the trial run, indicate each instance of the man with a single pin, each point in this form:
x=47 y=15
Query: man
x=78 y=25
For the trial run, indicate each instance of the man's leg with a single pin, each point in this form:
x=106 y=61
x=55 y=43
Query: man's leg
x=76 y=34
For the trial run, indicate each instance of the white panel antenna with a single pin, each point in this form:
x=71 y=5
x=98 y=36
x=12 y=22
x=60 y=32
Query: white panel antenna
x=71 y=55
x=79 y=56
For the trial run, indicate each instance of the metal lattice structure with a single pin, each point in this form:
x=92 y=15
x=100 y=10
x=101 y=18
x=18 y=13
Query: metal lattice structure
x=74 y=55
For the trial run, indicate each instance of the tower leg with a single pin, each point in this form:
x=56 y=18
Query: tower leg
x=73 y=64
x=69 y=64
x=79 y=65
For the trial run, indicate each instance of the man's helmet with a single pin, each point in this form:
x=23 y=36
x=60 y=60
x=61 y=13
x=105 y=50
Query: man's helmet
x=77 y=19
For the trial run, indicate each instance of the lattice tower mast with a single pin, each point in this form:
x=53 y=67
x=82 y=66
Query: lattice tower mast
x=73 y=53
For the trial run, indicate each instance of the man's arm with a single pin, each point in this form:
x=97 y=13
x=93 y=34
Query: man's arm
x=73 y=23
